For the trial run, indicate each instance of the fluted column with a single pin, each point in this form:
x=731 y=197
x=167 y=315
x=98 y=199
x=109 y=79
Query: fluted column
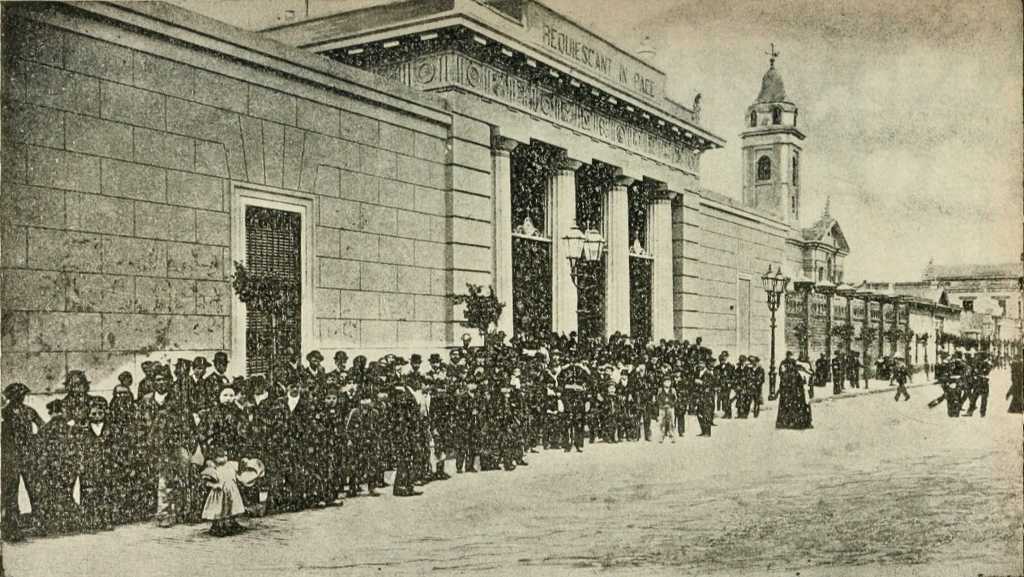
x=659 y=241
x=501 y=155
x=561 y=190
x=617 y=261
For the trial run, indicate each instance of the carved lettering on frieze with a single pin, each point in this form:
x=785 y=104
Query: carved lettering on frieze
x=443 y=70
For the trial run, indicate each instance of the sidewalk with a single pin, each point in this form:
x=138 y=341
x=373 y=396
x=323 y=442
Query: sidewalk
x=876 y=386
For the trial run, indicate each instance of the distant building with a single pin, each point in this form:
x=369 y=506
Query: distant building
x=988 y=294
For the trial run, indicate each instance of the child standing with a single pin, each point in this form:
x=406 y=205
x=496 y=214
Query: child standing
x=224 y=502
x=666 y=409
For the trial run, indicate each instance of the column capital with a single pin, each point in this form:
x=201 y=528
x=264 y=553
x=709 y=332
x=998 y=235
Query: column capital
x=502 y=144
x=623 y=180
x=569 y=165
x=663 y=194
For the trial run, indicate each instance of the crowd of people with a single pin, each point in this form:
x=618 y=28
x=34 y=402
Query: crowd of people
x=964 y=379
x=189 y=442
x=178 y=444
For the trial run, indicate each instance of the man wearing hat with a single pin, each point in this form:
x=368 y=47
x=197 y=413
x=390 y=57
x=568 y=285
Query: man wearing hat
x=17 y=453
x=172 y=439
x=341 y=368
x=441 y=426
x=146 y=384
x=97 y=447
x=194 y=386
x=56 y=474
x=288 y=370
x=314 y=375
x=757 y=385
x=725 y=379
x=704 y=389
x=76 y=399
x=217 y=379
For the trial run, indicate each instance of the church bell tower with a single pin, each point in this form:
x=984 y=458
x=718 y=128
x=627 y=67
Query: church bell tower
x=771 y=150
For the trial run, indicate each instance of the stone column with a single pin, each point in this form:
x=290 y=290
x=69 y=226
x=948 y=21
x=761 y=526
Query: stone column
x=501 y=155
x=659 y=241
x=561 y=190
x=616 y=295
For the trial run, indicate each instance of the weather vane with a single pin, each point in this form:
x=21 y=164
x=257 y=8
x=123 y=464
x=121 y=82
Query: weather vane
x=773 y=54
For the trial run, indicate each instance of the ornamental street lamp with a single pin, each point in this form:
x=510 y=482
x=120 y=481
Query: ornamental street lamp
x=774 y=286
x=582 y=247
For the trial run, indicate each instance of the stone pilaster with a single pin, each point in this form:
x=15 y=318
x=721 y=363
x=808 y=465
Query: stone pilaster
x=561 y=189
x=617 y=309
x=501 y=151
x=659 y=240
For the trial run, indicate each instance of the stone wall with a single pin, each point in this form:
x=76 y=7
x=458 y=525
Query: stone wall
x=716 y=245
x=122 y=152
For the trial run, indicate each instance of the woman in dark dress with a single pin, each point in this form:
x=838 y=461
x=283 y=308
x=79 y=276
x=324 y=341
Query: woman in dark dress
x=1016 y=392
x=794 y=412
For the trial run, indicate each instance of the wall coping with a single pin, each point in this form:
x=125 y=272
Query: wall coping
x=197 y=31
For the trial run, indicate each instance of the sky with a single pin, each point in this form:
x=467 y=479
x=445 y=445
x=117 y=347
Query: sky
x=912 y=110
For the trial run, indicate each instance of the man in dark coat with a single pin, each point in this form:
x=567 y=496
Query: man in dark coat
x=704 y=390
x=725 y=381
x=574 y=379
x=405 y=414
x=853 y=366
x=441 y=419
x=17 y=455
x=100 y=453
x=172 y=440
x=837 y=373
x=215 y=382
x=198 y=397
x=294 y=426
x=756 y=385
x=361 y=431
x=57 y=470
x=332 y=442
x=288 y=371
x=314 y=375
x=467 y=433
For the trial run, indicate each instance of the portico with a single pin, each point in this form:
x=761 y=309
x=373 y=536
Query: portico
x=583 y=141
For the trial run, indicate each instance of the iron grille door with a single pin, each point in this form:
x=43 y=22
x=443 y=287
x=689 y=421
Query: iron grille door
x=272 y=249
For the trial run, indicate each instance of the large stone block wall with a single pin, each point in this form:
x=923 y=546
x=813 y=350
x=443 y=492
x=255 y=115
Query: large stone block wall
x=715 y=245
x=120 y=154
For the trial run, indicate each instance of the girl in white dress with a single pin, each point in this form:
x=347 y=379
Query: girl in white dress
x=224 y=503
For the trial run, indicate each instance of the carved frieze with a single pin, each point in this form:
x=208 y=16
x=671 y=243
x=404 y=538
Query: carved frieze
x=444 y=70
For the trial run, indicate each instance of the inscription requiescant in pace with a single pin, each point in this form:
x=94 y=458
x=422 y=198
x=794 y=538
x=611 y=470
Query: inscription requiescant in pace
x=453 y=69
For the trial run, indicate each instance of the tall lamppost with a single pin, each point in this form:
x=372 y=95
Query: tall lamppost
x=582 y=247
x=774 y=286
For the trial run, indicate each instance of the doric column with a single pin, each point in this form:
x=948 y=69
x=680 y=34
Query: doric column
x=561 y=190
x=616 y=295
x=659 y=241
x=501 y=155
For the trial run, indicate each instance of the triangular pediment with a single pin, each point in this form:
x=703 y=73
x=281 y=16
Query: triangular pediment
x=827 y=231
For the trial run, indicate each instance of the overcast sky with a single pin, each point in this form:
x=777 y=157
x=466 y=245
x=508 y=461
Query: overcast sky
x=912 y=109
